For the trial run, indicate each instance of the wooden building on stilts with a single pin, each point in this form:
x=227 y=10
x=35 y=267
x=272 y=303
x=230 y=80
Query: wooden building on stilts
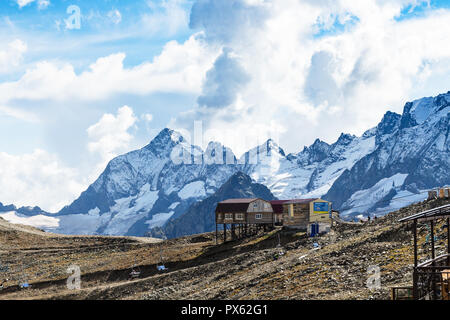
x=243 y=217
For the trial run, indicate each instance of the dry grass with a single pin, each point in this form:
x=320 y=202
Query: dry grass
x=198 y=269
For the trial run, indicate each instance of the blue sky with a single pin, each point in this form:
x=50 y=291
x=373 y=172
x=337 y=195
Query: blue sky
x=105 y=27
x=73 y=98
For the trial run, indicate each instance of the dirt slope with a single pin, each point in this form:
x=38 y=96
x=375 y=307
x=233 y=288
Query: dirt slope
x=198 y=269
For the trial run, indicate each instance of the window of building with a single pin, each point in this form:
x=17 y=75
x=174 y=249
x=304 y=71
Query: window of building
x=228 y=216
x=255 y=205
x=239 y=216
x=258 y=216
x=219 y=216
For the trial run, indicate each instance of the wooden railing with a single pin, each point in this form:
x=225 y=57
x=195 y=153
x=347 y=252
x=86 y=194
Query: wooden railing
x=432 y=279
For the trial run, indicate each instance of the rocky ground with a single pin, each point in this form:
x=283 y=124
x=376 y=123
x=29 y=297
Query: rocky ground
x=332 y=266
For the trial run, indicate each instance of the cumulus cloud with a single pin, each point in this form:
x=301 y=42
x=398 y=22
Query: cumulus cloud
x=110 y=136
x=319 y=67
x=40 y=178
x=165 y=18
x=223 y=81
x=19 y=114
x=320 y=85
x=224 y=21
x=179 y=68
x=260 y=68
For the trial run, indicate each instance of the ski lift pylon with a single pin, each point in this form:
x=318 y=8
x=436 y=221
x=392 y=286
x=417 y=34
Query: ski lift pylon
x=23 y=282
x=135 y=271
x=161 y=266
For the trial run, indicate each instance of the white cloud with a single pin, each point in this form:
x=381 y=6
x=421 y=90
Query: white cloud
x=148 y=117
x=37 y=221
x=23 y=3
x=313 y=86
x=19 y=114
x=40 y=178
x=301 y=84
x=165 y=18
x=179 y=68
x=110 y=135
x=42 y=4
x=11 y=55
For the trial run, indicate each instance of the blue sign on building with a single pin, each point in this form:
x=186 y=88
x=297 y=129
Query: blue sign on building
x=321 y=207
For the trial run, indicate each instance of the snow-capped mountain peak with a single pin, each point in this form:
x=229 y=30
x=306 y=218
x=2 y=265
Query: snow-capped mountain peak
x=414 y=146
x=402 y=156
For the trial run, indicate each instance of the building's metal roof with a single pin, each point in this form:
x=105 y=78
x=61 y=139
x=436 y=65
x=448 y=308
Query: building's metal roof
x=277 y=205
x=301 y=200
x=432 y=214
x=240 y=200
x=235 y=205
x=278 y=201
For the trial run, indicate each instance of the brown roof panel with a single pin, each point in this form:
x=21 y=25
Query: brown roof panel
x=239 y=207
x=239 y=200
x=301 y=200
x=278 y=201
x=235 y=205
x=277 y=205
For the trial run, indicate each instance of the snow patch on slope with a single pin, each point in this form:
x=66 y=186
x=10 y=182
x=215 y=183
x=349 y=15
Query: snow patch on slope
x=402 y=199
x=124 y=213
x=37 y=221
x=421 y=109
x=83 y=224
x=128 y=211
x=288 y=179
x=363 y=200
x=194 y=189
x=159 y=219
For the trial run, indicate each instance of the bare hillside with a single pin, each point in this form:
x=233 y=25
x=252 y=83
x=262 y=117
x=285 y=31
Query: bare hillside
x=198 y=269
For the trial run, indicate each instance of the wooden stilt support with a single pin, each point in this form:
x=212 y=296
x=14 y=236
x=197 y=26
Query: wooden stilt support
x=216 y=235
x=233 y=232
x=224 y=232
x=433 y=255
x=415 y=293
x=448 y=241
x=415 y=243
